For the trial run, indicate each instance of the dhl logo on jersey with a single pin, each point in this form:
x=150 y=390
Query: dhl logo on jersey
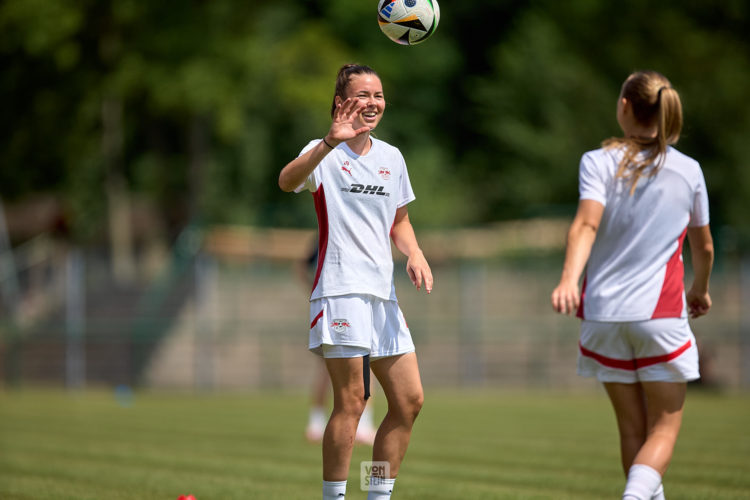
x=366 y=189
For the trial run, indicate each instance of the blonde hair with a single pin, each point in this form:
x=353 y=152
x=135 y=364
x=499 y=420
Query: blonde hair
x=653 y=101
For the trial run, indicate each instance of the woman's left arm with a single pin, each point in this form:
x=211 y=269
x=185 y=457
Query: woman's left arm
x=405 y=240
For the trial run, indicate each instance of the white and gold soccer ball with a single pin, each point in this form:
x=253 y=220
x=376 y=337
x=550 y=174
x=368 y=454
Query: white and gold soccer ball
x=408 y=22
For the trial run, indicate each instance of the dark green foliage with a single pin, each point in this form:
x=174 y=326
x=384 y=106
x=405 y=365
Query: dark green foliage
x=492 y=113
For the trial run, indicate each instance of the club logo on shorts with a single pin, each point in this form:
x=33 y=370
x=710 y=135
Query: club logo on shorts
x=340 y=325
x=385 y=173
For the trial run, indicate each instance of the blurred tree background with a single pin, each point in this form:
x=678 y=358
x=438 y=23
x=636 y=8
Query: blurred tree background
x=192 y=108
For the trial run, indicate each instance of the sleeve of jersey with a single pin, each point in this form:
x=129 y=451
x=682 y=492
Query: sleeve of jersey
x=591 y=183
x=406 y=195
x=312 y=183
x=699 y=217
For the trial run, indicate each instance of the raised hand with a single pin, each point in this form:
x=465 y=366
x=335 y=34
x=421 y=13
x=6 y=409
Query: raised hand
x=342 y=129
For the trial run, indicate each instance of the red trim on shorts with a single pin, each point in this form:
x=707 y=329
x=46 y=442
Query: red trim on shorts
x=670 y=302
x=634 y=364
x=622 y=364
x=319 y=197
x=315 y=321
x=644 y=362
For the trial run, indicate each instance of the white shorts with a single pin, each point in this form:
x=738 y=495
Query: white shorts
x=348 y=326
x=656 y=350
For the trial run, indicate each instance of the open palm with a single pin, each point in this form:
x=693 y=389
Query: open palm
x=342 y=128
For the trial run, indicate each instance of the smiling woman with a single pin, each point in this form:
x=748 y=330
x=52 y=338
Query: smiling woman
x=367 y=89
x=361 y=187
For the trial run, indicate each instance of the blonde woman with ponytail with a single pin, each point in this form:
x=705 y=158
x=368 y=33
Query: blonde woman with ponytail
x=639 y=198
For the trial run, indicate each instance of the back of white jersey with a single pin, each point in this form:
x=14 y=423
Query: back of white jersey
x=356 y=198
x=635 y=271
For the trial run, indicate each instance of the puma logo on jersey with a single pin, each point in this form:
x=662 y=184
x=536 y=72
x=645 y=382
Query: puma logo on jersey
x=368 y=189
x=346 y=168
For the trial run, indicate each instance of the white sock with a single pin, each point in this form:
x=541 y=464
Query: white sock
x=659 y=493
x=366 y=418
x=317 y=417
x=380 y=488
x=643 y=481
x=334 y=490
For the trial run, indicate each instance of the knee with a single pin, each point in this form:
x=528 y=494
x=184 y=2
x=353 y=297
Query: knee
x=411 y=406
x=351 y=404
x=417 y=403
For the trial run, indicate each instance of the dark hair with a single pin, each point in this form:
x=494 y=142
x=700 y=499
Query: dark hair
x=342 y=80
x=653 y=101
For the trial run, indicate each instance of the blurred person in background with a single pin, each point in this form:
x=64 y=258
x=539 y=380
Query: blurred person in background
x=639 y=197
x=317 y=417
x=361 y=187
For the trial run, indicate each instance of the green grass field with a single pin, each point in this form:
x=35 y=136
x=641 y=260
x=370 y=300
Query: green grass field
x=466 y=445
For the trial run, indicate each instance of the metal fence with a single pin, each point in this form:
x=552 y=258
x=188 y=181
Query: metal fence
x=211 y=322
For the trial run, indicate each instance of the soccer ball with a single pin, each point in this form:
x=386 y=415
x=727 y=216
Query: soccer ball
x=408 y=22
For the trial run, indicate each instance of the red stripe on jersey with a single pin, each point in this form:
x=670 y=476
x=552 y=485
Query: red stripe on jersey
x=579 y=313
x=634 y=364
x=319 y=197
x=670 y=302
x=315 y=321
x=622 y=364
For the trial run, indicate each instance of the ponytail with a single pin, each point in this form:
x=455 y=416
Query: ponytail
x=653 y=100
x=670 y=116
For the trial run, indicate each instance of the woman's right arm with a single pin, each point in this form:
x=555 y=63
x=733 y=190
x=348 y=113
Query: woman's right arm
x=296 y=171
x=702 y=251
x=581 y=235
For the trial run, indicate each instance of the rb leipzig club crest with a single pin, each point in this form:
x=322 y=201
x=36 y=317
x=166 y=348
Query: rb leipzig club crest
x=385 y=173
x=340 y=325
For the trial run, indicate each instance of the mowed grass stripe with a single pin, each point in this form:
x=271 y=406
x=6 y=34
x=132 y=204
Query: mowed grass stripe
x=182 y=450
x=169 y=443
x=488 y=444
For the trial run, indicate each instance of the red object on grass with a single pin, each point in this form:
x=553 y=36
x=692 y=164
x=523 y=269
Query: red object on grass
x=186 y=497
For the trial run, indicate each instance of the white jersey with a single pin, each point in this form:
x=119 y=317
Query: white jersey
x=356 y=198
x=635 y=271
